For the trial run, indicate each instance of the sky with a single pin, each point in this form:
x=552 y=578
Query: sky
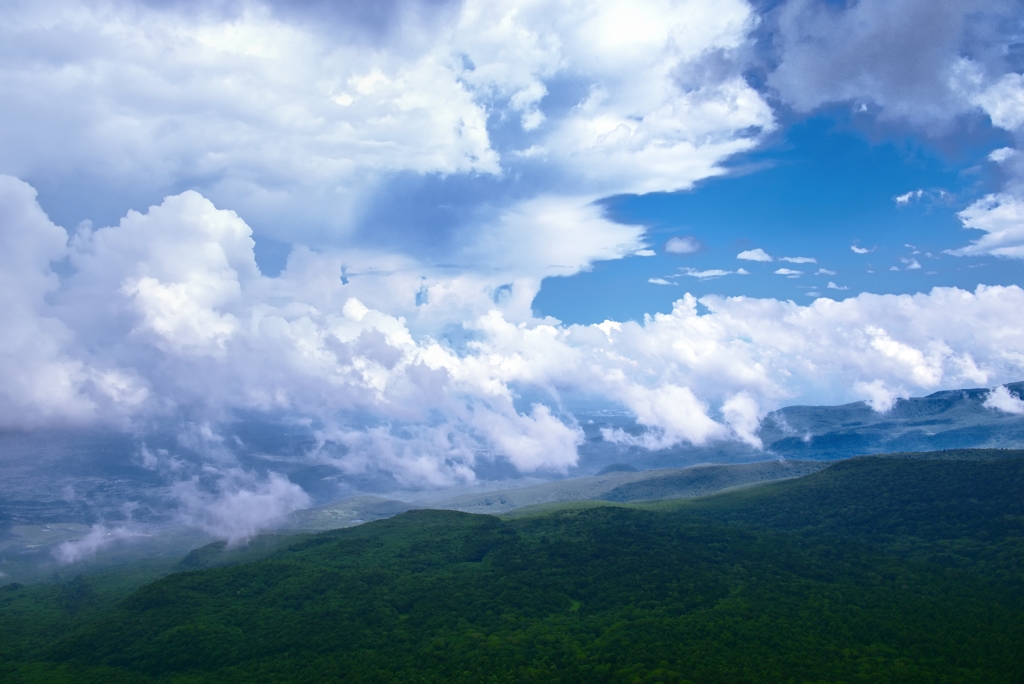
x=431 y=230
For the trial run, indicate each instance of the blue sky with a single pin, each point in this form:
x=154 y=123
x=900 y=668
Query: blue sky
x=823 y=185
x=426 y=230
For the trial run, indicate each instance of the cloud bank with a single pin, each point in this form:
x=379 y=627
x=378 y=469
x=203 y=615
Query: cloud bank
x=165 y=316
x=408 y=340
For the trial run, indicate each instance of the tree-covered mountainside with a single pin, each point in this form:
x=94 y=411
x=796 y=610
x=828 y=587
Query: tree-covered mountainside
x=873 y=570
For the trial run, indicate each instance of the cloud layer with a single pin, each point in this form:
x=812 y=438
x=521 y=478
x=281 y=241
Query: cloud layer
x=166 y=317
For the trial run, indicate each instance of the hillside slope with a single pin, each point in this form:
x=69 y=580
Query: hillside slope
x=838 y=576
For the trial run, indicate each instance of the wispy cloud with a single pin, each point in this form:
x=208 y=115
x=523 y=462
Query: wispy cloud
x=911 y=264
x=788 y=272
x=824 y=271
x=682 y=245
x=861 y=250
x=799 y=260
x=660 y=281
x=704 y=275
x=908 y=196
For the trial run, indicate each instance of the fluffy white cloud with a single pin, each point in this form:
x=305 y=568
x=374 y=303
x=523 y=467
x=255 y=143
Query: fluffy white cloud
x=425 y=366
x=1003 y=101
x=1001 y=399
x=1001 y=216
x=297 y=124
x=222 y=338
x=41 y=381
x=754 y=255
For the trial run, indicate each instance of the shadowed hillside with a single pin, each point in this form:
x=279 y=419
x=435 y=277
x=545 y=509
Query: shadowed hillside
x=874 y=569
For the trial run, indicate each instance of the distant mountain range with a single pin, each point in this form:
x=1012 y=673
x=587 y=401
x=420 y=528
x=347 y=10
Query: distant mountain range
x=952 y=419
x=82 y=477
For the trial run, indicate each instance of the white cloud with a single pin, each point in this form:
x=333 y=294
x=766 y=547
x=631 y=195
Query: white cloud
x=878 y=395
x=743 y=415
x=98 y=537
x=659 y=281
x=682 y=245
x=241 y=506
x=551 y=235
x=705 y=274
x=788 y=272
x=1003 y=101
x=308 y=344
x=41 y=379
x=1001 y=399
x=1001 y=216
x=833 y=286
x=645 y=253
x=754 y=255
x=861 y=250
x=1002 y=154
x=905 y=198
x=297 y=125
x=799 y=260
x=911 y=263
x=673 y=414
x=824 y=271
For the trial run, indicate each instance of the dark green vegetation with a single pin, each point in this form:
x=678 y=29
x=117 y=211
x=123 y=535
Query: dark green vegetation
x=873 y=570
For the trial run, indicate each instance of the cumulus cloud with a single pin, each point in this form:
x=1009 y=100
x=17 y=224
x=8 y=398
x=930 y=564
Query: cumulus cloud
x=41 y=380
x=754 y=255
x=301 y=126
x=1001 y=399
x=1003 y=101
x=788 y=272
x=673 y=415
x=905 y=58
x=1001 y=217
x=307 y=117
x=365 y=358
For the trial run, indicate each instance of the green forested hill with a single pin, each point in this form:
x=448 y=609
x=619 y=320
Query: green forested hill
x=960 y=508
x=874 y=570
